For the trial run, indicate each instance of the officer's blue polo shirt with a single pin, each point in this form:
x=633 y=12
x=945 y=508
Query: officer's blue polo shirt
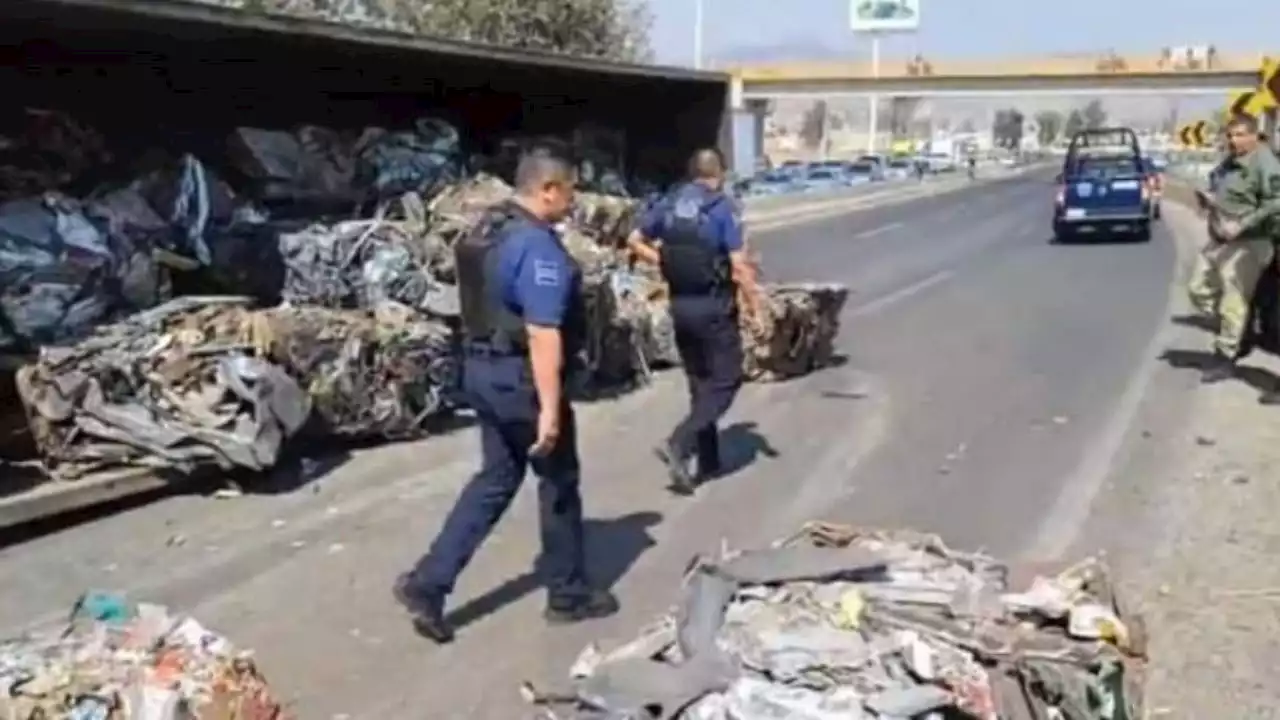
x=723 y=226
x=535 y=276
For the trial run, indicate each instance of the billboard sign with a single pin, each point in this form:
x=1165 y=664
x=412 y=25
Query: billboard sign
x=884 y=15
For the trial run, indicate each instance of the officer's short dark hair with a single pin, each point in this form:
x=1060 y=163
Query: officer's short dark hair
x=1248 y=123
x=707 y=162
x=542 y=162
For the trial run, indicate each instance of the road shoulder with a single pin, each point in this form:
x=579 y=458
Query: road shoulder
x=1187 y=517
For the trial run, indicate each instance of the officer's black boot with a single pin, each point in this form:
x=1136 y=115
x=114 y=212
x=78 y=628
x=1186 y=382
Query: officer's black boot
x=426 y=610
x=590 y=605
x=1221 y=368
x=677 y=461
x=708 y=454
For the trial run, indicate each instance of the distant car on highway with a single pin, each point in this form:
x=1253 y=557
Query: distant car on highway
x=858 y=173
x=774 y=182
x=899 y=169
x=824 y=178
x=1103 y=188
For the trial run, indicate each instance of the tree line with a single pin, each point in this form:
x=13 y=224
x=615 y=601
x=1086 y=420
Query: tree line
x=608 y=29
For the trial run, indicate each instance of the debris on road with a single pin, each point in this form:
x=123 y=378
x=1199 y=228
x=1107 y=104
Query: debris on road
x=119 y=660
x=802 y=323
x=841 y=623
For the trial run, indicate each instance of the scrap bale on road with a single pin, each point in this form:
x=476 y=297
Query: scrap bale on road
x=801 y=324
x=384 y=373
x=175 y=387
x=842 y=623
x=118 y=659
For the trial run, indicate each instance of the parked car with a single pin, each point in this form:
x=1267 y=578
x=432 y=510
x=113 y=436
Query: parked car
x=823 y=178
x=774 y=182
x=864 y=172
x=899 y=169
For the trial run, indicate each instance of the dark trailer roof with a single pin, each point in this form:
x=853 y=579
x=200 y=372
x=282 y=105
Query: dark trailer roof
x=150 y=66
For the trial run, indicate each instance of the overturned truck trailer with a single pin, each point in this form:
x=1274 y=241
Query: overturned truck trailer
x=162 y=78
x=157 y=71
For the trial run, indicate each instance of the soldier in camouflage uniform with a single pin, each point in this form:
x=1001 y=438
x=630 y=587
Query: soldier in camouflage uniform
x=1244 y=214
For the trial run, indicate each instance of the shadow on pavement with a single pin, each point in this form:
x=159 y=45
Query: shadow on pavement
x=741 y=444
x=1258 y=378
x=1199 y=322
x=613 y=546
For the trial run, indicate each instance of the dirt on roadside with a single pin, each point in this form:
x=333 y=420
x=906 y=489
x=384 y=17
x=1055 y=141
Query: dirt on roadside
x=1190 y=519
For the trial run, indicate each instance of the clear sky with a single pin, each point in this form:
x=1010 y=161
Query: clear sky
x=969 y=28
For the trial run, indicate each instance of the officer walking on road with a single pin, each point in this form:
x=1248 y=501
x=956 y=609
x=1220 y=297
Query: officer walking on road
x=1244 y=215
x=523 y=317
x=695 y=236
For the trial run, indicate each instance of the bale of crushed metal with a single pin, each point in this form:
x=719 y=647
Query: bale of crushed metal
x=800 y=325
x=455 y=211
x=361 y=263
x=136 y=661
x=422 y=159
x=384 y=373
x=66 y=266
x=176 y=387
x=839 y=623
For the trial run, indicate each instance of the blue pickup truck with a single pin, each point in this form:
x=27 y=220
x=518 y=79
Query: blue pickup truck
x=1103 y=189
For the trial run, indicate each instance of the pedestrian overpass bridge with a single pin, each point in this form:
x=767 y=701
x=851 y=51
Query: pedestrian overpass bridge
x=1092 y=75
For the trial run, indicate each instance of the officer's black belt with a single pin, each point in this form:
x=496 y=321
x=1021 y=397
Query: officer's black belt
x=490 y=350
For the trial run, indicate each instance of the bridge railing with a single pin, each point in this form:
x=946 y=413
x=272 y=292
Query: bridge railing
x=1109 y=63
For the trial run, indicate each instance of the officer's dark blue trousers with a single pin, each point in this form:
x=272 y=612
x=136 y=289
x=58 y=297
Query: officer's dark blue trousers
x=710 y=347
x=500 y=389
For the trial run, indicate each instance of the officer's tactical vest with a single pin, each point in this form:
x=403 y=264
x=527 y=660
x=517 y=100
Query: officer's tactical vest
x=691 y=263
x=485 y=318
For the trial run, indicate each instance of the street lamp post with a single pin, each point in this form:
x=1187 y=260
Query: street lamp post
x=698 y=18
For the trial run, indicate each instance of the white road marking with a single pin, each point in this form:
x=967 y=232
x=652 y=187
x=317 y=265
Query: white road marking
x=1074 y=504
x=897 y=296
x=877 y=231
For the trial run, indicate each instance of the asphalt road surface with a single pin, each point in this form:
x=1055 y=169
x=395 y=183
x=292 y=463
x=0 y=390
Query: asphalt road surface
x=987 y=374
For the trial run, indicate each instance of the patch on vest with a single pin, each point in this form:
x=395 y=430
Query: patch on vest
x=687 y=208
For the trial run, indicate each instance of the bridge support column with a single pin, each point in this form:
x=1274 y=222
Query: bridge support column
x=757 y=111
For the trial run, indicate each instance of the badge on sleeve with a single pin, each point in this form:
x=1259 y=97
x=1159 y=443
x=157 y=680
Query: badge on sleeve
x=1273 y=184
x=546 y=273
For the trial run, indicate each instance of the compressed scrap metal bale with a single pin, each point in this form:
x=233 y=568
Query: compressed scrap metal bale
x=455 y=211
x=361 y=263
x=385 y=373
x=421 y=160
x=800 y=328
x=125 y=661
x=837 y=623
x=66 y=266
x=175 y=387
x=299 y=167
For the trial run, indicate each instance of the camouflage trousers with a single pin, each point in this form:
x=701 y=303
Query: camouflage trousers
x=1222 y=283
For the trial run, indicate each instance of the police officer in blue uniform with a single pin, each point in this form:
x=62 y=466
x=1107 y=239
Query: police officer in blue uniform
x=695 y=236
x=523 y=318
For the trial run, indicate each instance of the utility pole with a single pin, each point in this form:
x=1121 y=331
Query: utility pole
x=698 y=22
